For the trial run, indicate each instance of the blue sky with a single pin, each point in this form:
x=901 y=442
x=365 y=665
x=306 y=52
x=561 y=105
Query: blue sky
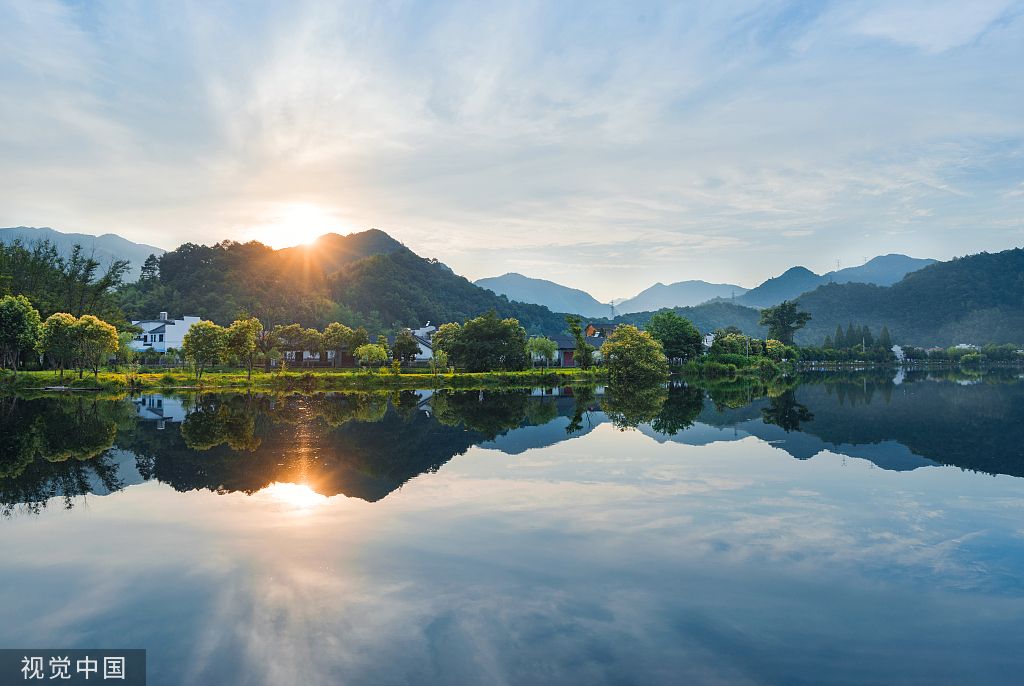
x=601 y=145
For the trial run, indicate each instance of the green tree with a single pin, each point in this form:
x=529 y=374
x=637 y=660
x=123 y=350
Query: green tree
x=19 y=329
x=827 y=345
x=839 y=340
x=359 y=337
x=58 y=340
x=446 y=337
x=634 y=357
x=488 y=343
x=371 y=354
x=95 y=340
x=204 y=345
x=337 y=338
x=677 y=335
x=406 y=347
x=884 y=339
x=542 y=347
x=241 y=341
x=584 y=353
x=783 y=321
x=150 y=270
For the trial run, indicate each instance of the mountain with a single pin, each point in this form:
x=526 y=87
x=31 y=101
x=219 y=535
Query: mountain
x=787 y=286
x=552 y=295
x=105 y=248
x=975 y=299
x=362 y=279
x=679 y=294
x=883 y=270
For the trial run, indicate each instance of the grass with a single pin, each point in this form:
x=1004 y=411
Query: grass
x=307 y=380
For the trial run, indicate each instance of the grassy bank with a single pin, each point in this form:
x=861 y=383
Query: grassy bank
x=732 y=366
x=309 y=380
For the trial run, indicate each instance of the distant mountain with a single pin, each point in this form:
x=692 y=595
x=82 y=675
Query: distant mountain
x=884 y=270
x=975 y=299
x=679 y=294
x=552 y=295
x=105 y=248
x=365 y=278
x=787 y=286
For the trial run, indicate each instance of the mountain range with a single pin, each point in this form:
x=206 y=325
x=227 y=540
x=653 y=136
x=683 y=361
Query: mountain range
x=105 y=248
x=884 y=270
x=371 y=279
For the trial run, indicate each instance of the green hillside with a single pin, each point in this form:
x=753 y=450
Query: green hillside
x=366 y=279
x=975 y=299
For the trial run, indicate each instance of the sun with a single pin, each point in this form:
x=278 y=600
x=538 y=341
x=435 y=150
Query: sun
x=291 y=224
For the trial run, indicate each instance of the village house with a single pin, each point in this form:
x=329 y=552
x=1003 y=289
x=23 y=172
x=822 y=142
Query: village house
x=566 y=355
x=163 y=333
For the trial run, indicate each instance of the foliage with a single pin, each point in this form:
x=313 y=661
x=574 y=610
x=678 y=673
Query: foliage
x=19 y=329
x=485 y=343
x=95 y=341
x=241 y=341
x=543 y=348
x=678 y=336
x=584 y=352
x=371 y=355
x=784 y=320
x=74 y=283
x=58 y=340
x=634 y=357
x=406 y=348
x=204 y=345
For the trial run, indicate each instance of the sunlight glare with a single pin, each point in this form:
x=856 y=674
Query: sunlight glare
x=295 y=224
x=297 y=496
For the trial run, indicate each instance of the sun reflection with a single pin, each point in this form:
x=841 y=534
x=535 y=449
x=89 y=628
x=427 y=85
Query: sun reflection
x=297 y=496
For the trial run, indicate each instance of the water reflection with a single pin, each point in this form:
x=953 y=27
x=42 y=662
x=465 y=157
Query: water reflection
x=367 y=445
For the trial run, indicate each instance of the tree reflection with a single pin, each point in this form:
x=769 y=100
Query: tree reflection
x=679 y=411
x=784 y=411
x=56 y=447
x=628 y=406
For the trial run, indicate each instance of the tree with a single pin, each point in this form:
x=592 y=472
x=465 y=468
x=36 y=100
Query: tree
x=406 y=348
x=242 y=341
x=336 y=337
x=634 y=357
x=150 y=269
x=267 y=343
x=446 y=337
x=884 y=339
x=487 y=343
x=827 y=345
x=371 y=354
x=439 y=362
x=783 y=321
x=204 y=345
x=677 y=335
x=359 y=337
x=19 y=329
x=541 y=347
x=95 y=340
x=839 y=340
x=584 y=353
x=58 y=340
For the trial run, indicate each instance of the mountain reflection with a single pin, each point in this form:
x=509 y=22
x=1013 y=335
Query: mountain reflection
x=367 y=445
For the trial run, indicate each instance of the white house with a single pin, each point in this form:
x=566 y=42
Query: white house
x=163 y=333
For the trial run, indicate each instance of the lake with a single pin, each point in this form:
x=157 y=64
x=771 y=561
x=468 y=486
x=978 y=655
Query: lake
x=843 y=529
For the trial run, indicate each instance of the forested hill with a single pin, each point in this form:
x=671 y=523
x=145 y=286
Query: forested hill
x=365 y=278
x=974 y=299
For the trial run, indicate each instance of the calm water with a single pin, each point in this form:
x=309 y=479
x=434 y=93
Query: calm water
x=844 y=530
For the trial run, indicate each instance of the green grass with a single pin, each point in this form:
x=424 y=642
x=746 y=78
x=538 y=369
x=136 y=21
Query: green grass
x=307 y=380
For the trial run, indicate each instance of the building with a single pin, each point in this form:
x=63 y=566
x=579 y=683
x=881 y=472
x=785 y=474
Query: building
x=566 y=355
x=162 y=333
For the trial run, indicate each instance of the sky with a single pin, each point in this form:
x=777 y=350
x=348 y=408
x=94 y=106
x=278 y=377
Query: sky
x=605 y=146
